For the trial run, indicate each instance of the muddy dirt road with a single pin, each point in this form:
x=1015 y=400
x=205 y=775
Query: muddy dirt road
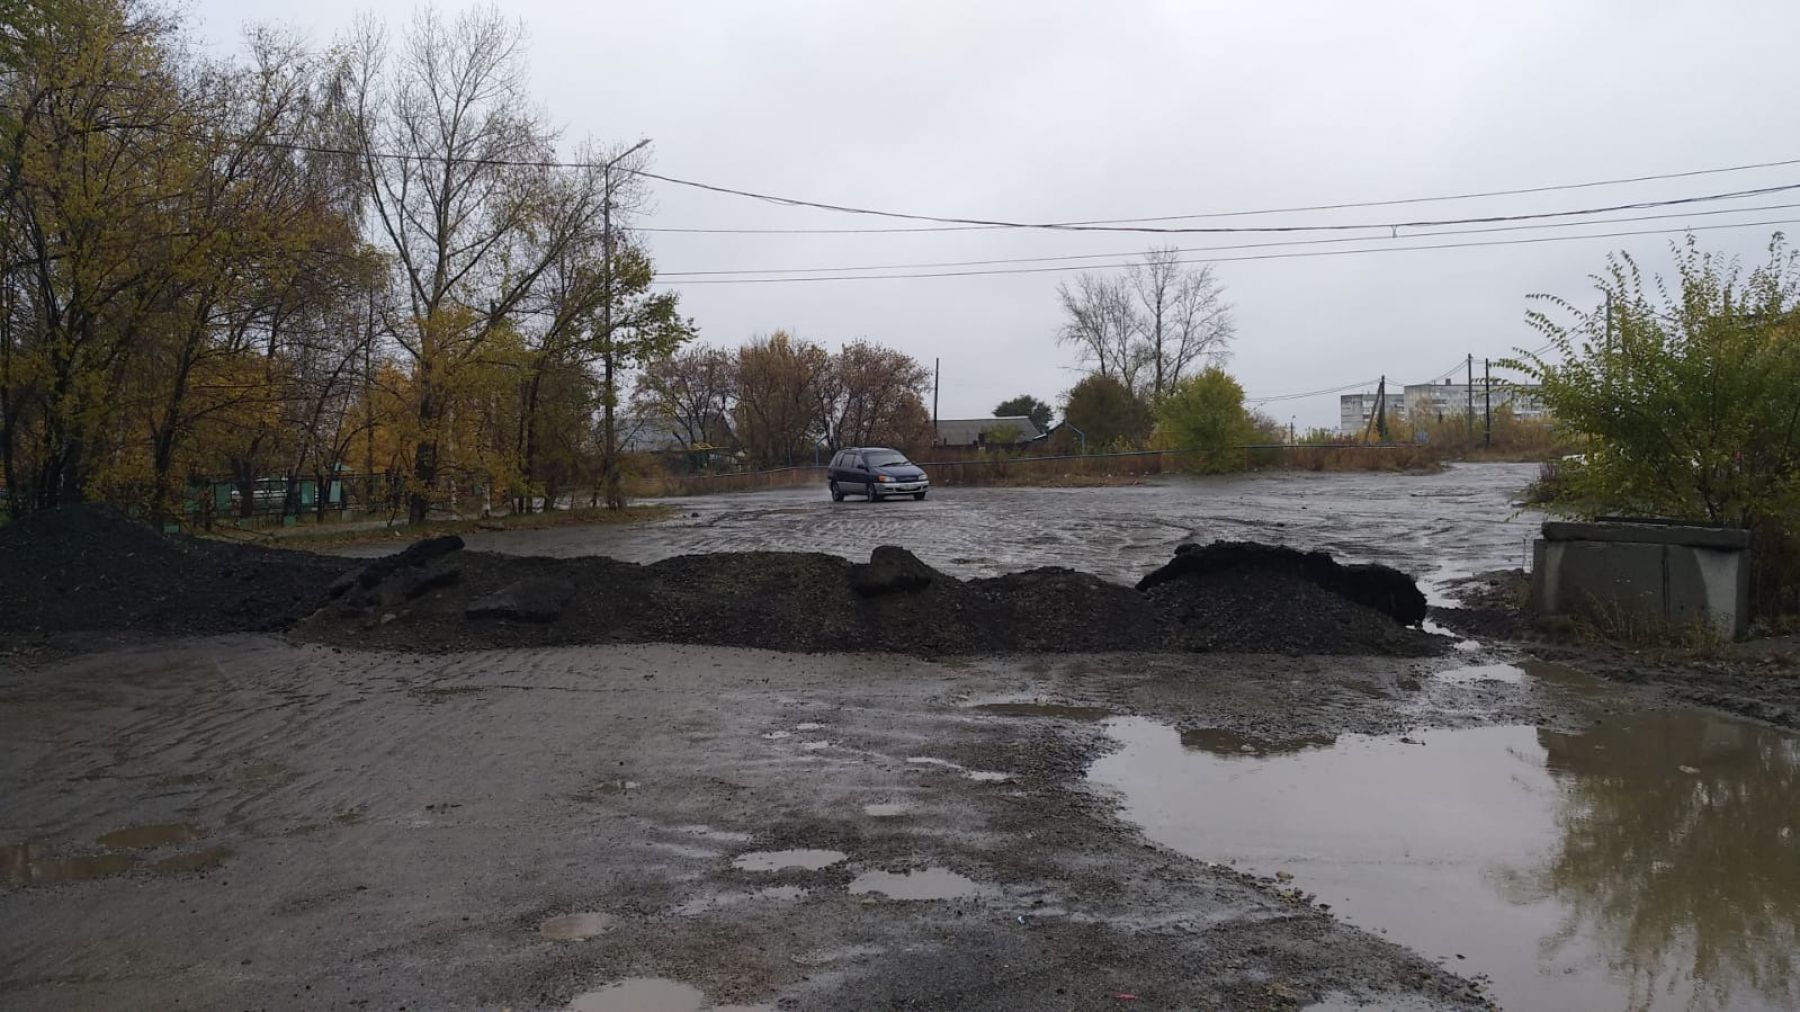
x=239 y=822
x=249 y=821
x=1436 y=526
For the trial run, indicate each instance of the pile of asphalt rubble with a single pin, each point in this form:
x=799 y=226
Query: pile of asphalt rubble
x=106 y=572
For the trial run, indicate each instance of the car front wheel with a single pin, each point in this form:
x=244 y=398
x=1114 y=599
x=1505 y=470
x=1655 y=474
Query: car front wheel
x=874 y=496
x=836 y=496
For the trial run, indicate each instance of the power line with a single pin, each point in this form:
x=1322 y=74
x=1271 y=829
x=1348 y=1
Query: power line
x=1258 y=256
x=1121 y=224
x=968 y=224
x=1358 y=385
x=1209 y=249
x=1365 y=384
x=1760 y=191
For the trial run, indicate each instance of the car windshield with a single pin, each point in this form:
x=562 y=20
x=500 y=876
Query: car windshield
x=885 y=459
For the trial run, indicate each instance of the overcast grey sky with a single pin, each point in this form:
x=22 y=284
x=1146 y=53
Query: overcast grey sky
x=1057 y=111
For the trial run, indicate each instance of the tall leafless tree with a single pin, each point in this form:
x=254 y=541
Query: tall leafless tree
x=1150 y=324
x=1182 y=315
x=1100 y=320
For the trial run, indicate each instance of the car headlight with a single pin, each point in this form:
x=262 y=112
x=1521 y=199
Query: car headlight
x=883 y=477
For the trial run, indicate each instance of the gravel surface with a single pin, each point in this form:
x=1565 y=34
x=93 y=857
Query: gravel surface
x=88 y=570
x=815 y=603
x=68 y=574
x=240 y=822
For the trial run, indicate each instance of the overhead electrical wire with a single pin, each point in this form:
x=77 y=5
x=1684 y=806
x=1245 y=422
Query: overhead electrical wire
x=1366 y=384
x=1235 y=259
x=1126 y=256
x=1761 y=191
x=1358 y=385
x=1517 y=191
x=1127 y=224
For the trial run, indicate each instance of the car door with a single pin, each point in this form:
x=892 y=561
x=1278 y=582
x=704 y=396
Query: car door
x=860 y=473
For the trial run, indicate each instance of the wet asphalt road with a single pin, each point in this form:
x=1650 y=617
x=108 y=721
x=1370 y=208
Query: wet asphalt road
x=1436 y=526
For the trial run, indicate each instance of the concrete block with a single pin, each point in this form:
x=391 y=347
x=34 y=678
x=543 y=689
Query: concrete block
x=1639 y=578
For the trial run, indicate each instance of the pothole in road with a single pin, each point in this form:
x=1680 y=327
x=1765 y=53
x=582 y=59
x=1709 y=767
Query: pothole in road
x=919 y=884
x=1054 y=711
x=716 y=901
x=984 y=776
x=781 y=860
x=22 y=868
x=572 y=927
x=147 y=837
x=199 y=860
x=1483 y=673
x=653 y=994
x=642 y=994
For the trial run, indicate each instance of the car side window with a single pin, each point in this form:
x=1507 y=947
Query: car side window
x=857 y=461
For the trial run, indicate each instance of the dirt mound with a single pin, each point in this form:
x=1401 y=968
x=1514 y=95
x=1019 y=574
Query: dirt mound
x=1382 y=588
x=894 y=604
x=89 y=568
x=1271 y=611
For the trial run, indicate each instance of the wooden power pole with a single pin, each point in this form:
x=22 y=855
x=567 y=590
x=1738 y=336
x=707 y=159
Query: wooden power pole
x=1487 y=399
x=1469 y=388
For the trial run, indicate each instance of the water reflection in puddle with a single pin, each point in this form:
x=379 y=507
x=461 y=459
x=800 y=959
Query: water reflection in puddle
x=1224 y=742
x=23 y=865
x=199 y=860
x=1055 y=711
x=779 y=860
x=572 y=927
x=719 y=901
x=642 y=994
x=146 y=837
x=1482 y=673
x=653 y=994
x=1577 y=870
x=920 y=884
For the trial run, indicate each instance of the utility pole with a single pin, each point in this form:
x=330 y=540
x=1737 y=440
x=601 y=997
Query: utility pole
x=609 y=464
x=1378 y=417
x=1487 y=399
x=937 y=375
x=1469 y=388
x=369 y=409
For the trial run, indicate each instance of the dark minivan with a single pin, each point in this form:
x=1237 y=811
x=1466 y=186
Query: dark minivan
x=875 y=471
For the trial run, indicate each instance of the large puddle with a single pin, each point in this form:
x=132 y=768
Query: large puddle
x=1649 y=862
x=1437 y=526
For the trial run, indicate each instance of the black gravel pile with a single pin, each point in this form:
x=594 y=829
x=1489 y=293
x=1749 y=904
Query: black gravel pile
x=90 y=569
x=1250 y=610
x=1382 y=588
x=894 y=604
